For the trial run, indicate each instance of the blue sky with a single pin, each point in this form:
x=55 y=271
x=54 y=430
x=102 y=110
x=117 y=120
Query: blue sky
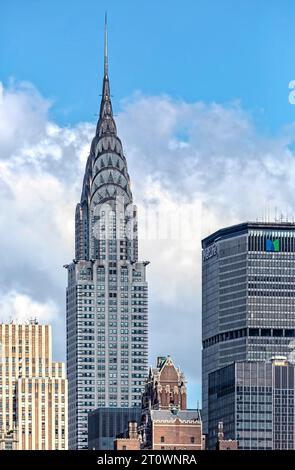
x=208 y=50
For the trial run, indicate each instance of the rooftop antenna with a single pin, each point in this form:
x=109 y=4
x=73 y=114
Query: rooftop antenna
x=106 y=44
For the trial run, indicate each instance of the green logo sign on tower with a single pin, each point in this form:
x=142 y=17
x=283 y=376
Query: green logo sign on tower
x=272 y=245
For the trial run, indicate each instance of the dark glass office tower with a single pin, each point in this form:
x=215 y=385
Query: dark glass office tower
x=255 y=402
x=248 y=296
x=105 y=424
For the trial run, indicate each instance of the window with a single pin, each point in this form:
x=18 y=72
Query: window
x=124 y=448
x=192 y=440
x=162 y=439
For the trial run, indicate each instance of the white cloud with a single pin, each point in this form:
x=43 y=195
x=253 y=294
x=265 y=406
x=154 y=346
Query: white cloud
x=226 y=173
x=21 y=308
x=195 y=166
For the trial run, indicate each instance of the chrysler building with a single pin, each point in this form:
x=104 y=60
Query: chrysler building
x=107 y=293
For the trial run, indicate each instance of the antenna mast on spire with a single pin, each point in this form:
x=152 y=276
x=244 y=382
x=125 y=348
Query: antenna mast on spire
x=105 y=45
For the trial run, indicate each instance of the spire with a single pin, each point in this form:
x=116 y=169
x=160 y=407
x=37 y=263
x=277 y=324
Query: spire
x=105 y=45
x=106 y=124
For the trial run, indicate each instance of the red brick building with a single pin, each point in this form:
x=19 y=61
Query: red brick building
x=225 y=444
x=168 y=430
x=166 y=422
x=130 y=440
x=165 y=387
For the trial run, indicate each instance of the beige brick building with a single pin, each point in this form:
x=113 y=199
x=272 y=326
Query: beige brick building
x=33 y=389
x=8 y=440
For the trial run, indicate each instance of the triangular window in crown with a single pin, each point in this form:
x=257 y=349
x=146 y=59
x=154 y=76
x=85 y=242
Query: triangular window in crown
x=97 y=197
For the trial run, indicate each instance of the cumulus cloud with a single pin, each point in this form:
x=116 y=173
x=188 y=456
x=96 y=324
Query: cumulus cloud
x=41 y=166
x=210 y=167
x=21 y=308
x=194 y=168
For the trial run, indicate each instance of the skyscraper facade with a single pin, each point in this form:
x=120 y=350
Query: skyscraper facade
x=248 y=296
x=255 y=401
x=33 y=389
x=107 y=337
x=105 y=424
